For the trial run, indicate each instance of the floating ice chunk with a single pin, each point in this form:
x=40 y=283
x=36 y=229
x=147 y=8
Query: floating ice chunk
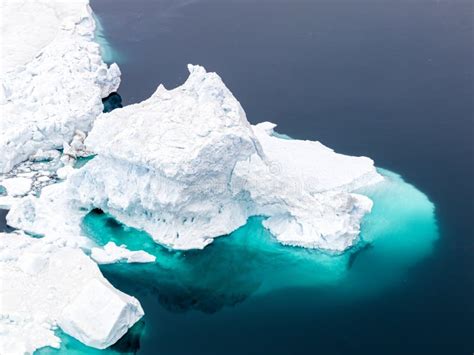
x=100 y=315
x=44 y=284
x=17 y=186
x=111 y=253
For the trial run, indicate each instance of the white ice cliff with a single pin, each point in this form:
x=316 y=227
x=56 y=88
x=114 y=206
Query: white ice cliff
x=189 y=168
x=52 y=77
x=44 y=285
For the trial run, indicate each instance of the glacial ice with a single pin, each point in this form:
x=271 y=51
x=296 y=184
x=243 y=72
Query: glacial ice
x=17 y=186
x=44 y=285
x=190 y=168
x=52 y=81
x=52 y=84
x=112 y=253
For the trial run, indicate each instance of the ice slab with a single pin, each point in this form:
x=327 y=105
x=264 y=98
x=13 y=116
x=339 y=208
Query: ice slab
x=44 y=284
x=112 y=253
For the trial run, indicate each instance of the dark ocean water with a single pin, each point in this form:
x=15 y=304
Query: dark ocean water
x=392 y=80
x=3 y=223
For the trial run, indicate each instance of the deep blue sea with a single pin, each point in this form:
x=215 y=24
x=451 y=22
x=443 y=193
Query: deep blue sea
x=392 y=80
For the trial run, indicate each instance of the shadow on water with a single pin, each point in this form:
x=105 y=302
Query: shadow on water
x=353 y=256
x=3 y=222
x=111 y=102
x=130 y=342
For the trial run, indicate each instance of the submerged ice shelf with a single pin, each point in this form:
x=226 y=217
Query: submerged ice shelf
x=251 y=261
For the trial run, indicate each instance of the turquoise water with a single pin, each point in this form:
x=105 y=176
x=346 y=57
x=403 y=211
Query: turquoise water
x=71 y=346
x=250 y=263
x=108 y=53
x=394 y=236
x=81 y=161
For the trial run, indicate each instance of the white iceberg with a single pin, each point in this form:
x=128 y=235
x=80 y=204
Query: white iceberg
x=52 y=77
x=189 y=167
x=44 y=285
x=111 y=253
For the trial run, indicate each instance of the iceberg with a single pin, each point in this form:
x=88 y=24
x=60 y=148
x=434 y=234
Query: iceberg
x=44 y=285
x=112 y=253
x=52 y=76
x=190 y=168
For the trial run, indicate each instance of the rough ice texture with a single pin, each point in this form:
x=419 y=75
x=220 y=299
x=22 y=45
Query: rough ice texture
x=17 y=186
x=186 y=166
x=52 y=215
x=52 y=77
x=44 y=285
x=306 y=191
x=112 y=253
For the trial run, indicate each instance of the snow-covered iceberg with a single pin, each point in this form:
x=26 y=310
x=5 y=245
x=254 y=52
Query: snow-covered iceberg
x=186 y=166
x=189 y=167
x=44 y=285
x=52 y=77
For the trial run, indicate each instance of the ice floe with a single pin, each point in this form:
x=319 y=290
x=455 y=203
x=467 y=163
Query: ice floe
x=52 y=76
x=44 y=285
x=112 y=253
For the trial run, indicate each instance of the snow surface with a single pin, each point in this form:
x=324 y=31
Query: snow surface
x=44 y=285
x=17 y=186
x=52 y=77
x=52 y=215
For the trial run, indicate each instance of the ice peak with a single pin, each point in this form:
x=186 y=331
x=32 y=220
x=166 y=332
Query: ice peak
x=192 y=123
x=196 y=69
